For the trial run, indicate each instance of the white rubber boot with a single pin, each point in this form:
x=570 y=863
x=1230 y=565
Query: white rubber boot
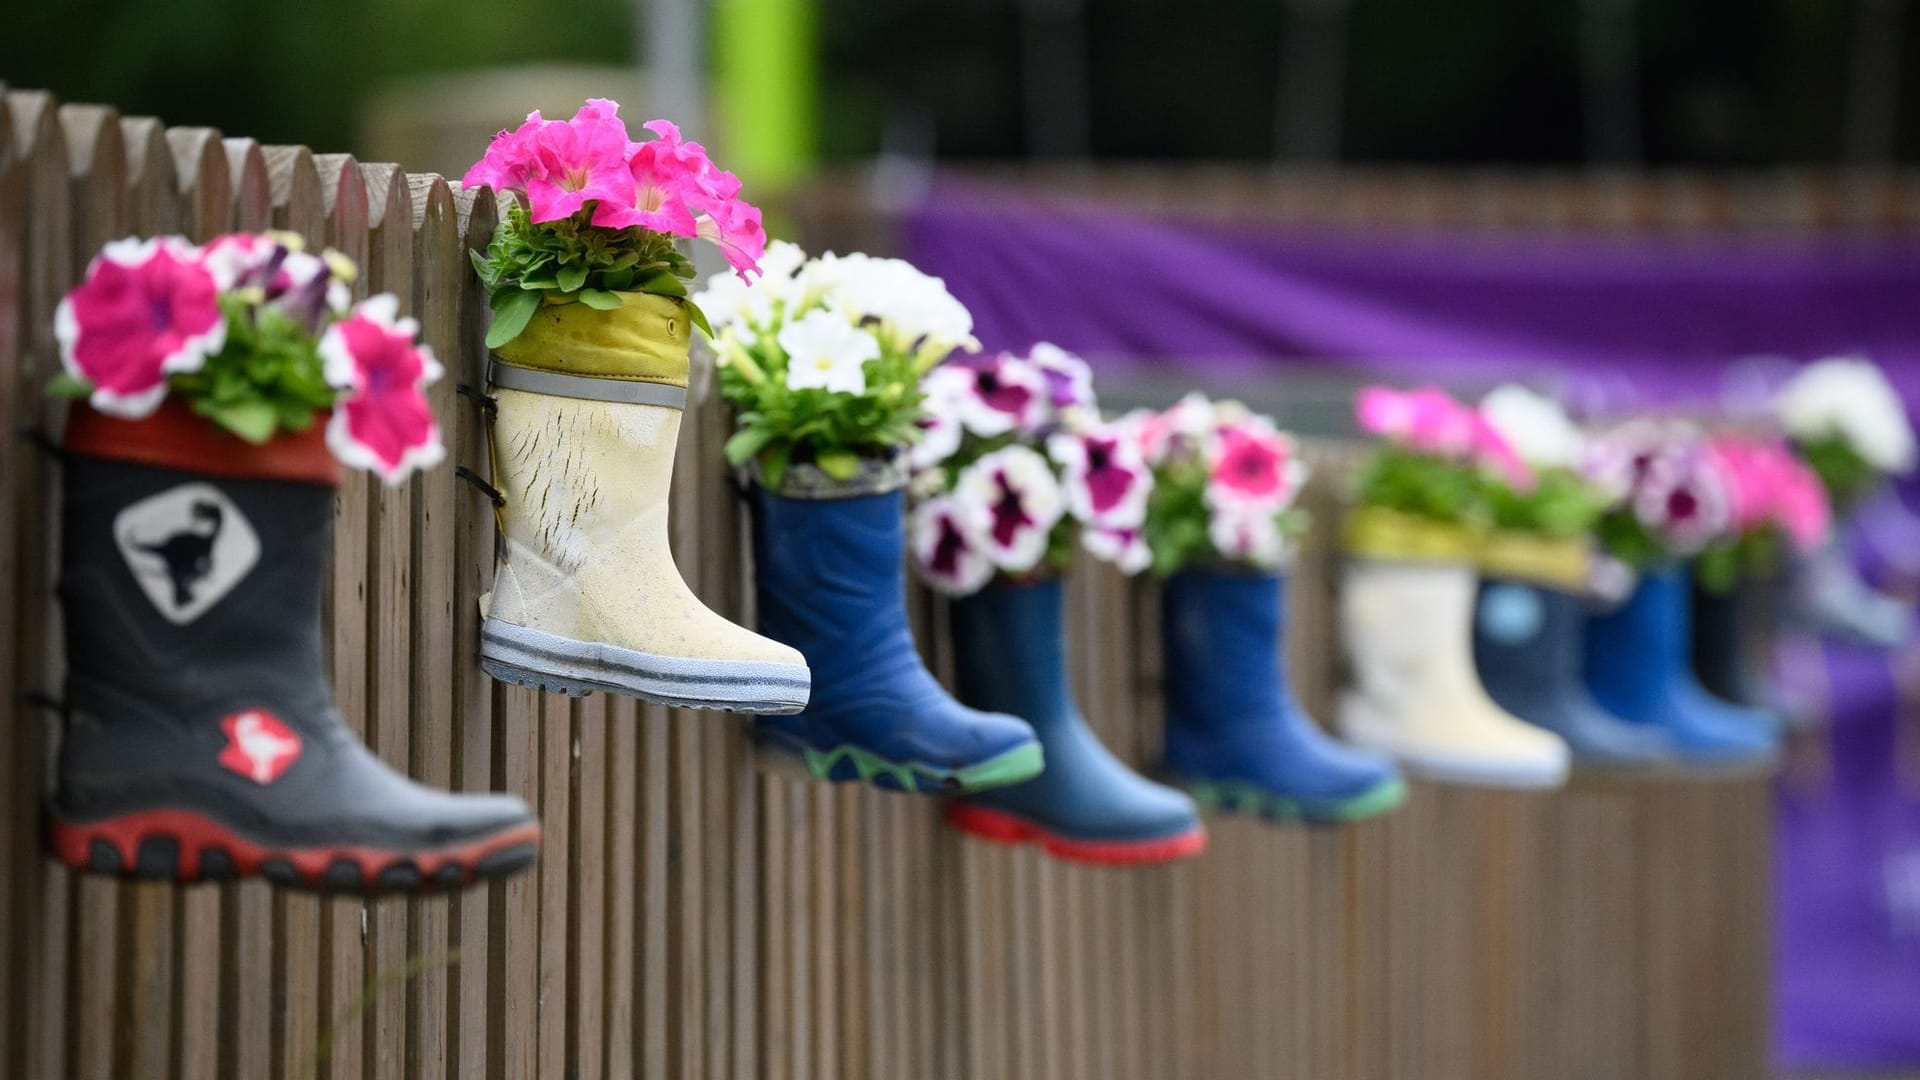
x=1408 y=631
x=587 y=596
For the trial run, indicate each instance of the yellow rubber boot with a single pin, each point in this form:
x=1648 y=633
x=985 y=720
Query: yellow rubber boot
x=1406 y=620
x=586 y=595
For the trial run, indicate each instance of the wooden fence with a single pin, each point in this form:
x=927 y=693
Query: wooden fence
x=693 y=918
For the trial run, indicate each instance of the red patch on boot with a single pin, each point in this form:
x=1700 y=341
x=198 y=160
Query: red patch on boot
x=259 y=746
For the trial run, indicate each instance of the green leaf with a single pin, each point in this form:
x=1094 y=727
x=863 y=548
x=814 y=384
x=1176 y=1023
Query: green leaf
x=67 y=385
x=773 y=465
x=601 y=299
x=663 y=283
x=512 y=310
x=699 y=318
x=572 y=278
x=839 y=464
x=746 y=443
x=253 y=421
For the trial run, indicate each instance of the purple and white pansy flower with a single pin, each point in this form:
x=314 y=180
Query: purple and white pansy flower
x=1107 y=482
x=1022 y=502
x=944 y=534
x=1013 y=463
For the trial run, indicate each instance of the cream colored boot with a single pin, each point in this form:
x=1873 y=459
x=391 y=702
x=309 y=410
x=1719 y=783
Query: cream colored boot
x=1408 y=631
x=586 y=596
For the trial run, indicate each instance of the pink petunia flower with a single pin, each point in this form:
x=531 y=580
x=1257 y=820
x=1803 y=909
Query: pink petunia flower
x=946 y=550
x=383 y=423
x=1106 y=481
x=558 y=166
x=147 y=308
x=1492 y=449
x=1768 y=486
x=1124 y=548
x=1427 y=420
x=1015 y=488
x=1253 y=467
x=734 y=227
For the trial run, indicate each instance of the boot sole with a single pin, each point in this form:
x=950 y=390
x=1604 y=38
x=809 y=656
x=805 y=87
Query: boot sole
x=188 y=847
x=1240 y=797
x=527 y=657
x=847 y=763
x=1003 y=828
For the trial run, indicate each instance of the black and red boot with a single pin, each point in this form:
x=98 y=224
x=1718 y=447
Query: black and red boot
x=201 y=740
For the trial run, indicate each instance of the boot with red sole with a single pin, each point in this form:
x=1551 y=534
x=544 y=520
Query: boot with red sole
x=201 y=740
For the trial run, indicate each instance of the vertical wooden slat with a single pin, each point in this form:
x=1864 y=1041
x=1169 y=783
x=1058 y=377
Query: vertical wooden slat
x=97 y=170
x=391 y=635
x=17 y=850
x=299 y=1005
x=472 y=1023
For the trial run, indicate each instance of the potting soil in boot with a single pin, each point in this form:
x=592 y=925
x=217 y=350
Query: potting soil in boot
x=1528 y=629
x=1406 y=620
x=1087 y=806
x=587 y=597
x=1639 y=668
x=829 y=572
x=201 y=741
x=1236 y=736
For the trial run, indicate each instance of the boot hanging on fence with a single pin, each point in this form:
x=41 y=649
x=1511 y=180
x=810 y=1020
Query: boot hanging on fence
x=829 y=561
x=1406 y=606
x=1236 y=737
x=202 y=742
x=587 y=596
x=1087 y=806
x=1639 y=668
x=1733 y=631
x=1528 y=630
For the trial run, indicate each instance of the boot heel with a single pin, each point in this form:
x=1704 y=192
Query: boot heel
x=539 y=680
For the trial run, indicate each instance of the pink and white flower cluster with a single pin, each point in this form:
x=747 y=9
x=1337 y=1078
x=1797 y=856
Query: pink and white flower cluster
x=1250 y=471
x=1429 y=421
x=151 y=309
x=1667 y=476
x=1013 y=448
x=1770 y=487
x=589 y=165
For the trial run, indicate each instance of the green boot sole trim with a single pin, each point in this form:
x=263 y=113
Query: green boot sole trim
x=849 y=762
x=1241 y=797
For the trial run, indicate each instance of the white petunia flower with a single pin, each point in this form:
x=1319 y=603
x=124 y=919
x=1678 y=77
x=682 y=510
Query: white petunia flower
x=915 y=311
x=1124 y=548
x=825 y=351
x=1535 y=425
x=749 y=309
x=1850 y=397
x=1016 y=489
x=1249 y=536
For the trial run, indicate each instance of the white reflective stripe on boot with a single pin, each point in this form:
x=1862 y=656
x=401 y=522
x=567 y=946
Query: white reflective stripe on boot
x=1408 y=632
x=587 y=596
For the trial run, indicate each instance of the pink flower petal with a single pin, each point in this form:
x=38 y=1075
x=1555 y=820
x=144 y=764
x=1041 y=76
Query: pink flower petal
x=145 y=309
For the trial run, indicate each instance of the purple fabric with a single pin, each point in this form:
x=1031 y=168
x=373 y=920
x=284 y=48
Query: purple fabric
x=1644 y=318
x=1660 y=313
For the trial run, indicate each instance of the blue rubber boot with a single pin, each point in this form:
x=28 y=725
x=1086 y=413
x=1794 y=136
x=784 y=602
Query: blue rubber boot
x=1236 y=736
x=829 y=576
x=1009 y=653
x=1527 y=648
x=1638 y=667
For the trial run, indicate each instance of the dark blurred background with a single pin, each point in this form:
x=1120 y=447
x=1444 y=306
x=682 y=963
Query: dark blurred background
x=1698 y=82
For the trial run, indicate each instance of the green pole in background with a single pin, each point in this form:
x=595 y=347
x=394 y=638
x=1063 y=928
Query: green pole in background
x=765 y=88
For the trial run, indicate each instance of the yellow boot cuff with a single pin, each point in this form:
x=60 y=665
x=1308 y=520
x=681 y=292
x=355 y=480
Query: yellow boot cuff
x=1555 y=562
x=1388 y=534
x=643 y=341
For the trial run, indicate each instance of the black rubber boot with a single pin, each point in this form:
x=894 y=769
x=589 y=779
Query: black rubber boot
x=202 y=742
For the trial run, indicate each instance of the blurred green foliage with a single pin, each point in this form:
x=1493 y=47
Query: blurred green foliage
x=1721 y=81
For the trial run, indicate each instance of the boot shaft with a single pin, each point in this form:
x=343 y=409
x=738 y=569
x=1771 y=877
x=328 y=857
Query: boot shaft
x=1223 y=646
x=189 y=581
x=1528 y=640
x=1009 y=649
x=830 y=579
x=1638 y=651
x=1409 y=626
